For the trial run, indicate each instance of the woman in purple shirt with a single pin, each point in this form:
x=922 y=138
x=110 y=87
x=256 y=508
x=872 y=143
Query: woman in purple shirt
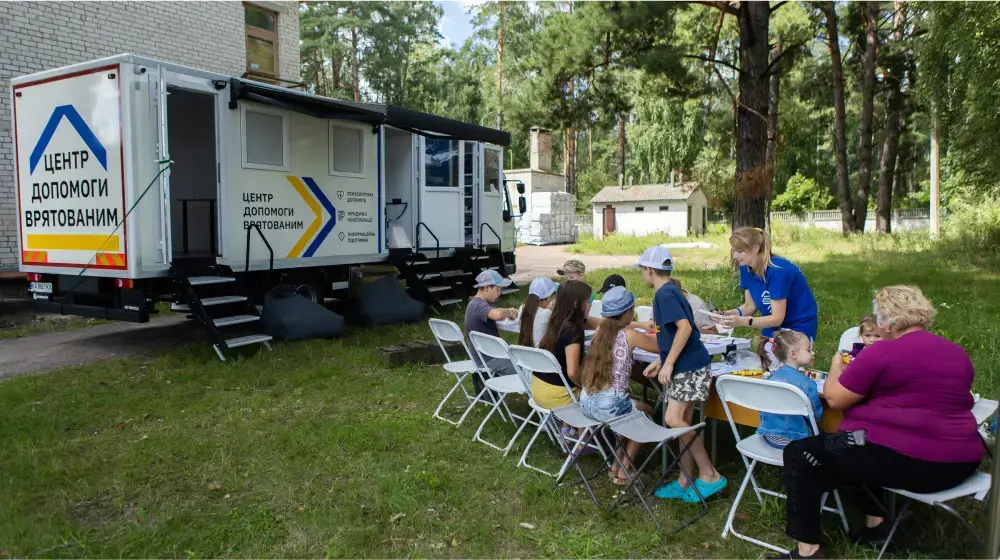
x=907 y=424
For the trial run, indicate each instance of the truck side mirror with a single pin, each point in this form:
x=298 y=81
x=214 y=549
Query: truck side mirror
x=506 y=216
x=522 y=203
x=520 y=188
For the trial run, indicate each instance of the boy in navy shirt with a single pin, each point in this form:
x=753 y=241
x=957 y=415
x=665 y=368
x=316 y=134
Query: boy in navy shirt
x=683 y=370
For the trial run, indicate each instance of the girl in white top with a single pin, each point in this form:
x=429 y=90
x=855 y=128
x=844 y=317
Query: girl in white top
x=535 y=312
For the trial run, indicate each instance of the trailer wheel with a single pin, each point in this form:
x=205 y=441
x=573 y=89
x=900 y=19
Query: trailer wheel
x=308 y=291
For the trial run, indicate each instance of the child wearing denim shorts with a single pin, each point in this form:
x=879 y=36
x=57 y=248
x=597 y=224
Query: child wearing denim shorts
x=608 y=367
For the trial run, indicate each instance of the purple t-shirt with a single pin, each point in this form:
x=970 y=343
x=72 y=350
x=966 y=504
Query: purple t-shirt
x=917 y=400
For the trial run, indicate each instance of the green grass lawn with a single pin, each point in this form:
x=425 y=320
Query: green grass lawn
x=318 y=449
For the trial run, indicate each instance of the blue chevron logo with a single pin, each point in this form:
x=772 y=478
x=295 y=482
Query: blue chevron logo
x=69 y=113
x=327 y=227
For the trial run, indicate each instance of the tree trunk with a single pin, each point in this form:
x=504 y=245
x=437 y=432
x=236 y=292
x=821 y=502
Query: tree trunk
x=335 y=70
x=354 y=60
x=321 y=72
x=840 y=118
x=870 y=11
x=500 y=69
x=890 y=143
x=621 y=149
x=753 y=177
x=773 y=95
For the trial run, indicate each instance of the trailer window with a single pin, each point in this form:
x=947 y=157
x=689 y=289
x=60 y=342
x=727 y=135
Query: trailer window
x=262 y=40
x=441 y=163
x=265 y=139
x=346 y=151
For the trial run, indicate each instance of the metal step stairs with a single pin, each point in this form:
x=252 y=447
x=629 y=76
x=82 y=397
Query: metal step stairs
x=438 y=282
x=490 y=257
x=212 y=298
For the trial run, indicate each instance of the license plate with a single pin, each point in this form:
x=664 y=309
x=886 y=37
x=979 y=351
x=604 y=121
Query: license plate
x=41 y=287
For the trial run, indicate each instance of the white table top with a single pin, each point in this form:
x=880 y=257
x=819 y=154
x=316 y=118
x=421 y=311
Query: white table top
x=514 y=326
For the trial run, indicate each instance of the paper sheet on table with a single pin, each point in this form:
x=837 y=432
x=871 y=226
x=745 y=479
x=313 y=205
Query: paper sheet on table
x=715 y=318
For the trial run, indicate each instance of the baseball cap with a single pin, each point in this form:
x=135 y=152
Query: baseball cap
x=611 y=282
x=656 y=257
x=491 y=278
x=572 y=266
x=618 y=300
x=543 y=287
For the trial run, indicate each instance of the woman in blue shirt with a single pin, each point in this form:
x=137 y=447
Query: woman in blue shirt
x=772 y=285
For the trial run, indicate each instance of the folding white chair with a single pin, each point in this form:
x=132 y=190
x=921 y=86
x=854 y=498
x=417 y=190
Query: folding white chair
x=588 y=429
x=850 y=337
x=643 y=313
x=487 y=346
x=770 y=397
x=446 y=331
x=638 y=427
x=534 y=360
x=976 y=486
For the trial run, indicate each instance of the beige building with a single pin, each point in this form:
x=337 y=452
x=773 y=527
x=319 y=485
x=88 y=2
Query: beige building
x=258 y=39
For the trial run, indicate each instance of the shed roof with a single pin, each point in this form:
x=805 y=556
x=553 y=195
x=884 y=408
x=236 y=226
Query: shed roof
x=642 y=193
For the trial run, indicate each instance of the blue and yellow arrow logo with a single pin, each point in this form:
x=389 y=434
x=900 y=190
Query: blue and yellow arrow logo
x=311 y=193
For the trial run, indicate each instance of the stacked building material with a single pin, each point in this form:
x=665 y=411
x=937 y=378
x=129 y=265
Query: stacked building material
x=551 y=219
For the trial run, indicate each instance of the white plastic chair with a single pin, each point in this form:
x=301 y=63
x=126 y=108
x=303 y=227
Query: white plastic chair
x=770 y=397
x=643 y=313
x=534 y=360
x=849 y=338
x=487 y=346
x=446 y=331
x=976 y=486
x=595 y=309
x=640 y=428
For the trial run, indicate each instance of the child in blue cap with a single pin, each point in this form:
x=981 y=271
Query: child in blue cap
x=608 y=367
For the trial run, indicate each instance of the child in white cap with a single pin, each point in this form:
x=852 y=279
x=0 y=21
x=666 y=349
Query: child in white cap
x=682 y=369
x=608 y=367
x=535 y=312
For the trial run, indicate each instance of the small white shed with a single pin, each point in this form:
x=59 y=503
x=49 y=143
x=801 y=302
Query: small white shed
x=646 y=209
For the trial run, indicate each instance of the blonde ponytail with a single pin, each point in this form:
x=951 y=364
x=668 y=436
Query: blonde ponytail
x=745 y=239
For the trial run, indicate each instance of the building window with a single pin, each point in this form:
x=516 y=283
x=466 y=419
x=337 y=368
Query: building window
x=262 y=41
x=265 y=139
x=664 y=208
x=347 y=150
x=640 y=208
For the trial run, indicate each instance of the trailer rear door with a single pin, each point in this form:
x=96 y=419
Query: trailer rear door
x=70 y=172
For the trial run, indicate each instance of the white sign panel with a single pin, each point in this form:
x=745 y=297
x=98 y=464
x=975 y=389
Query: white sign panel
x=71 y=199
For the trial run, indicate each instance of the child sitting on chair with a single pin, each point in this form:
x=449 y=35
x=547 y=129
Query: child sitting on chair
x=794 y=350
x=868 y=333
x=608 y=366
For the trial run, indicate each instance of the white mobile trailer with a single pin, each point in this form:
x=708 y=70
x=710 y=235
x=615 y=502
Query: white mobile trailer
x=132 y=173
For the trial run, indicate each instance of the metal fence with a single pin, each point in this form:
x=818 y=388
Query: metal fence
x=832 y=216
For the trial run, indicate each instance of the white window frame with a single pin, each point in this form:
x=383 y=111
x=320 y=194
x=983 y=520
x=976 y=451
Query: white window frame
x=329 y=148
x=286 y=164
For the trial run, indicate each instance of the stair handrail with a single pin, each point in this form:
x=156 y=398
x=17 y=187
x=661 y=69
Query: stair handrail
x=495 y=234
x=254 y=225
x=436 y=240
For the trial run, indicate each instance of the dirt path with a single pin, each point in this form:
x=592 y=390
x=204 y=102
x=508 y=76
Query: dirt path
x=544 y=260
x=46 y=352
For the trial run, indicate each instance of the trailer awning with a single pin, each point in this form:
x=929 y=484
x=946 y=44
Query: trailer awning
x=416 y=122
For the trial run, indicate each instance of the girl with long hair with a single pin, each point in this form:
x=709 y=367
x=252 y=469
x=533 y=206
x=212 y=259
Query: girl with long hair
x=608 y=366
x=564 y=338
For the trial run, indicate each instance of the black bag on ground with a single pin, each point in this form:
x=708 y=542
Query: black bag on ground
x=291 y=316
x=385 y=301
